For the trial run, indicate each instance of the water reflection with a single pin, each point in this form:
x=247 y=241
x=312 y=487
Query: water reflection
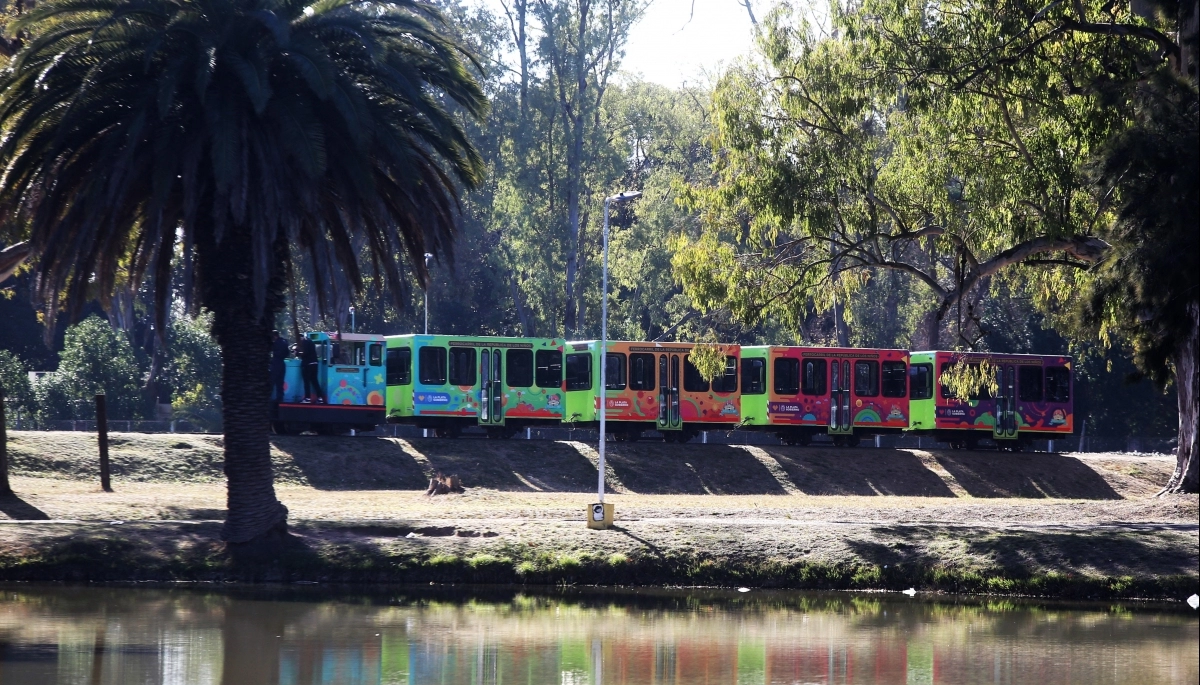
x=291 y=637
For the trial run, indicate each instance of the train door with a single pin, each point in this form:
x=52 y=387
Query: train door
x=668 y=392
x=491 y=387
x=839 y=398
x=1005 y=427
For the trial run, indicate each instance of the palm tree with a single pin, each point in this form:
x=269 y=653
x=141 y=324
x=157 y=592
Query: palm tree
x=234 y=135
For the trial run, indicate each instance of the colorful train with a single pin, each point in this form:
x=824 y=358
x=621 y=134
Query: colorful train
x=446 y=383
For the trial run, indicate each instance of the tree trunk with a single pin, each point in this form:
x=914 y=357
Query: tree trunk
x=1187 y=377
x=574 y=181
x=5 y=487
x=242 y=329
x=932 y=326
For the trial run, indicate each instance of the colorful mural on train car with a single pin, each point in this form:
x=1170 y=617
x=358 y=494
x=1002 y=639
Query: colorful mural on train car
x=650 y=386
x=800 y=392
x=350 y=386
x=1034 y=399
x=449 y=382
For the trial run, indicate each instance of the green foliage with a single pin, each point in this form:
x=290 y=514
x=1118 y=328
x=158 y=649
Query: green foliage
x=1147 y=289
x=94 y=359
x=14 y=382
x=709 y=360
x=193 y=371
x=967 y=381
x=840 y=156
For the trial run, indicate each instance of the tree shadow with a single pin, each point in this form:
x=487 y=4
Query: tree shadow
x=330 y=463
x=863 y=471
x=662 y=469
x=18 y=509
x=1039 y=475
x=1112 y=553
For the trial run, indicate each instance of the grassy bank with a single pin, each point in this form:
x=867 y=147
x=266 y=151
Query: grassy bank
x=1048 y=525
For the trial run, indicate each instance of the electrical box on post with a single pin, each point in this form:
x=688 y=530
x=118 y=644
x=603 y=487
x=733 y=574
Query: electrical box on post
x=600 y=515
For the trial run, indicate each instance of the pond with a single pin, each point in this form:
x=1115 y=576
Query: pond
x=300 y=635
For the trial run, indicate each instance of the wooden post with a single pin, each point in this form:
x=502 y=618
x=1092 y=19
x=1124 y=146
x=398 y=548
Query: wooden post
x=5 y=488
x=102 y=431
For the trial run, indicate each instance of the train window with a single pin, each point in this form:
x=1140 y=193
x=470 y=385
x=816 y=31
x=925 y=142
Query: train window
x=549 y=369
x=754 y=373
x=347 y=354
x=614 y=371
x=376 y=356
x=814 y=377
x=462 y=366
x=1029 y=383
x=946 y=394
x=692 y=380
x=866 y=378
x=579 y=371
x=399 y=365
x=1058 y=384
x=432 y=363
x=787 y=375
x=518 y=369
x=727 y=382
x=895 y=379
x=921 y=385
x=641 y=372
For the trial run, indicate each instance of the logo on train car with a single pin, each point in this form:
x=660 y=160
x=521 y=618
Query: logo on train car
x=729 y=409
x=433 y=398
x=617 y=403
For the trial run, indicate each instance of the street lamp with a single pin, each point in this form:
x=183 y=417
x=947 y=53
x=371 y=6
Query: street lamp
x=604 y=511
x=428 y=256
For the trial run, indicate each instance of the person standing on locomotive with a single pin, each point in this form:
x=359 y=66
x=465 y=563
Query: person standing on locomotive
x=279 y=352
x=308 y=369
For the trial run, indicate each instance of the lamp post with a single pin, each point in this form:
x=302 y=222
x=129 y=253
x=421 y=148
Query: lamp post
x=605 y=512
x=428 y=256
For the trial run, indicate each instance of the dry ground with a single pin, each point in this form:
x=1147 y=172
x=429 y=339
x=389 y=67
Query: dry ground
x=985 y=515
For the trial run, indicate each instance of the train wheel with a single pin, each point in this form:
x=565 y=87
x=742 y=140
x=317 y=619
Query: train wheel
x=451 y=432
x=852 y=440
x=497 y=433
x=839 y=441
x=684 y=436
x=972 y=445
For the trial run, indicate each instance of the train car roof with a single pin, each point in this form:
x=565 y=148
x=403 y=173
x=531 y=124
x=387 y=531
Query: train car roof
x=351 y=337
x=997 y=355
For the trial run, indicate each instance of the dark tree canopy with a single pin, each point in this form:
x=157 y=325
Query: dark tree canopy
x=131 y=125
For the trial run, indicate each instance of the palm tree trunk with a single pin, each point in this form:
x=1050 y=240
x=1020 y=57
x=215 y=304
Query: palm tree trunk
x=243 y=332
x=253 y=510
x=1187 y=378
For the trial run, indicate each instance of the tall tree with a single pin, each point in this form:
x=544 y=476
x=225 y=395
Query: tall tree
x=582 y=44
x=243 y=132
x=830 y=168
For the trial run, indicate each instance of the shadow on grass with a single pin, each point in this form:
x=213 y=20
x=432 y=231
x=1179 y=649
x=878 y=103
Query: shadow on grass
x=817 y=471
x=19 y=510
x=1066 y=552
x=1025 y=475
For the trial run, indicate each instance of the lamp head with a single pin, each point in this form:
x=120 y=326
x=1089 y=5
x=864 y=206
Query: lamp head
x=627 y=195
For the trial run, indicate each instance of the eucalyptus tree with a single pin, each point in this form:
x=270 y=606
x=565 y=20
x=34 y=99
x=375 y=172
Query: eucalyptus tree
x=830 y=169
x=237 y=134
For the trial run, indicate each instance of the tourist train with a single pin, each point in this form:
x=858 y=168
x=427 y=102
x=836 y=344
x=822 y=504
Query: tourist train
x=446 y=383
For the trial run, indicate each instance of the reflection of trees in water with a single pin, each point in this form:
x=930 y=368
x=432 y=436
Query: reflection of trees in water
x=122 y=635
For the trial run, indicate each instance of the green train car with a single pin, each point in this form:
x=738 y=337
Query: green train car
x=451 y=382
